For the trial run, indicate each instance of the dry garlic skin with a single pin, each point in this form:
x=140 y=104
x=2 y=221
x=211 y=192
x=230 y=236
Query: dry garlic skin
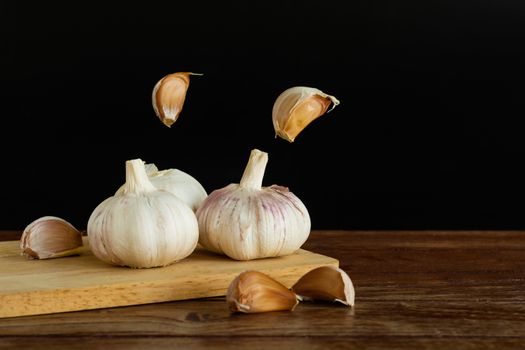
x=142 y=227
x=247 y=221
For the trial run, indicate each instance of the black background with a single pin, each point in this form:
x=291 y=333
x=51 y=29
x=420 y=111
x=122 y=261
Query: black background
x=427 y=136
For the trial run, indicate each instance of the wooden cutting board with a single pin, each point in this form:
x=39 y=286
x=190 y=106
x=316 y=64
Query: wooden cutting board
x=32 y=287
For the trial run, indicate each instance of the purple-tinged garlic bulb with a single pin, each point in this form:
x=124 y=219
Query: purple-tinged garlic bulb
x=247 y=221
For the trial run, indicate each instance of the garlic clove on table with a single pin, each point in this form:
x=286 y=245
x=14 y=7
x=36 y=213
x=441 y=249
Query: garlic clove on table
x=254 y=292
x=181 y=184
x=50 y=237
x=247 y=221
x=297 y=107
x=142 y=226
x=168 y=96
x=326 y=283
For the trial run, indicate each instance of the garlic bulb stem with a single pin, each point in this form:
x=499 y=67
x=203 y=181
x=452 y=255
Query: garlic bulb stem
x=137 y=180
x=254 y=172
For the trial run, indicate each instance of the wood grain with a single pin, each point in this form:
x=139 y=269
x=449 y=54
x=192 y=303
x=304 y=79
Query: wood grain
x=33 y=287
x=236 y=343
x=414 y=290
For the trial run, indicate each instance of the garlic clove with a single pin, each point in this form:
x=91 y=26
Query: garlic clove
x=297 y=107
x=254 y=292
x=326 y=283
x=50 y=237
x=169 y=94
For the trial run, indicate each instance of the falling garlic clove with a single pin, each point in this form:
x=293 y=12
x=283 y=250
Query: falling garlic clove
x=326 y=283
x=50 y=237
x=254 y=292
x=297 y=107
x=168 y=96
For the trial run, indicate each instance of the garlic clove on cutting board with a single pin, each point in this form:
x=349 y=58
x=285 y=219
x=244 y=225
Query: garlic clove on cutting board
x=50 y=237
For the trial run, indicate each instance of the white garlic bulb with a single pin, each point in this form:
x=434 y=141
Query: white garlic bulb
x=247 y=221
x=181 y=184
x=297 y=107
x=142 y=226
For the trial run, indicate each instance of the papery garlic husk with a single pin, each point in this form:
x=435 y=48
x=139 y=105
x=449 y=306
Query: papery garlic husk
x=50 y=237
x=297 y=107
x=150 y=169
x=247 y=221
x=254 y=292
x=142 y=227
x=169 y=95
x=181 y=184
x=326 y=283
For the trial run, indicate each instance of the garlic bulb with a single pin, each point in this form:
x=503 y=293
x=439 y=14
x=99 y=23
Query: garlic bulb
x=297 y=107
x=246 y=221
x=141 y=226
x=181 y=184
x=50 y=237
x=168 y=96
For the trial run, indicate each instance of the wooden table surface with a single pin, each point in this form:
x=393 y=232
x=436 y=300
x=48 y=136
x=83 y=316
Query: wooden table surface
x=414 y=290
